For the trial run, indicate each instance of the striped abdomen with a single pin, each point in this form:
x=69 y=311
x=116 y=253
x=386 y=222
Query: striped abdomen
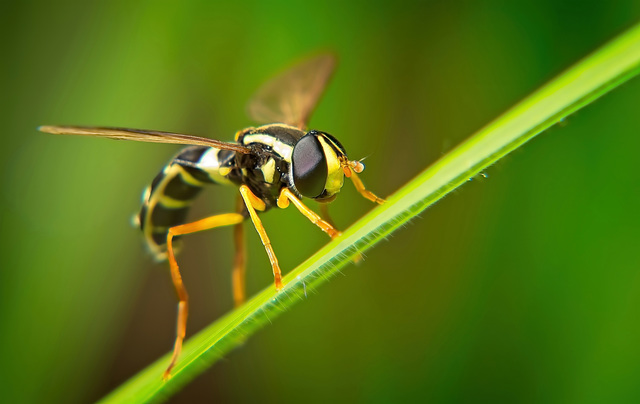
x=166 y=202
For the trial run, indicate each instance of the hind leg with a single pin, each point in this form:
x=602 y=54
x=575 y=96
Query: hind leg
x=183 y=304
x=239 y=260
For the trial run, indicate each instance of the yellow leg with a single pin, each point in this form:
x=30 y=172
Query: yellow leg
x=324 y=213
x=253 y=202
x=367 y=194
x=360 y=186
x=183 y=297
x=239 y=260
x=283 y=201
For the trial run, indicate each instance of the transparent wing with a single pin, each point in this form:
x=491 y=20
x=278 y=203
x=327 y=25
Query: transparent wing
x=291 y=96
x=141 y=135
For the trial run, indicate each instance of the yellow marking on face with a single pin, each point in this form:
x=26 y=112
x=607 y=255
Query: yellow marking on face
x=335 y=175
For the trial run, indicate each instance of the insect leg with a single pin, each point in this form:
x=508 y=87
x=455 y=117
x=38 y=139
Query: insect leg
x=324 y=213
x=183 y=297
x=253 y=202
x=283 y=201
x=239 y=260
x=360 y=186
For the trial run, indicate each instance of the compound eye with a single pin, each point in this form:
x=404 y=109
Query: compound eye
x=309 y=166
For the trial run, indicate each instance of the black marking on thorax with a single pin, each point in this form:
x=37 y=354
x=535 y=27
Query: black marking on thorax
x=266 y=169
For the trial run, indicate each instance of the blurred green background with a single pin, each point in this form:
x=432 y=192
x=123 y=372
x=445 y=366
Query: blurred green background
x=522 y=286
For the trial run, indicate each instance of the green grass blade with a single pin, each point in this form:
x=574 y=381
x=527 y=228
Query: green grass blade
x=612 y=65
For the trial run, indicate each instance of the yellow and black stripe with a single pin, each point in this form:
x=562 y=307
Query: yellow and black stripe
x=311 y=164
x=166 y=202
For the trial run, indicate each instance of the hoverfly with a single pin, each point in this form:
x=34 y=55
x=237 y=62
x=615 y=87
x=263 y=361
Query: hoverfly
x=272 y=165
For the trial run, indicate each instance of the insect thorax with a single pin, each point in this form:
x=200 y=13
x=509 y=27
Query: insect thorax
x=266 y=170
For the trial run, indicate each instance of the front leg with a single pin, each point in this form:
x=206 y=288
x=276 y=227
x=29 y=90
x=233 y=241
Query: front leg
x=283 y=201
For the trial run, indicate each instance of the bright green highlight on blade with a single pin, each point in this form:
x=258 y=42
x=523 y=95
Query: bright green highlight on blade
x=612 y=65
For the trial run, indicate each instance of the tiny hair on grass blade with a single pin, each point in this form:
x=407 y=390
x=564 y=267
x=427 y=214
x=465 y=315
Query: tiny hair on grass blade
x=613 y=64
x=270 y=165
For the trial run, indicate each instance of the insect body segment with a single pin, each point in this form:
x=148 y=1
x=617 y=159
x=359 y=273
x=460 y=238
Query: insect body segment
x=166 y=202
x=272 y=165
